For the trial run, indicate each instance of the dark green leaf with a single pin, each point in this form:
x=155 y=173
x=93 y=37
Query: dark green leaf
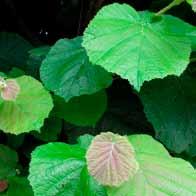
x=170 y=105
x=50 y=131
x=8 y=162
x=13 y=51
x=84 y=110
x=68 y=73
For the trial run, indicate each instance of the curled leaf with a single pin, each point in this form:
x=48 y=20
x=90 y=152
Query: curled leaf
x=11 y=90
x=111 y=160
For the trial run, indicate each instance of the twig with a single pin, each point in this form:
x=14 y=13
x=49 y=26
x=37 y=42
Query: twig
x=168 y=7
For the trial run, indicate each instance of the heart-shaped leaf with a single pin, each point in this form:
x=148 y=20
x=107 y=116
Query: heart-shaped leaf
x=136 y=46
x=111 y=160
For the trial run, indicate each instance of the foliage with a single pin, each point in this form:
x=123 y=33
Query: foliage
x=129 y=72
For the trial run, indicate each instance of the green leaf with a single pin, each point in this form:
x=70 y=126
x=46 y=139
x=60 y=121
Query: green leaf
x=159 y=173
x=60 y=169
x=29 y=110
x=19 y=186
x=13 y=50
x=50 y=131
x=170 y=105
x=82 y=111
x=8 y=162
x=131 y=44
x=68 y=73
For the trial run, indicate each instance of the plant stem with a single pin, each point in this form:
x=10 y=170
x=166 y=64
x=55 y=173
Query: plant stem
x=168 y=7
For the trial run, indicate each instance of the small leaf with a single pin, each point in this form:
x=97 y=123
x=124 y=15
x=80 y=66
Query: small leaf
x=82 y=111
x=29 y=110
x=68 y=73
x=128 y=43
x=8 y=162
x=159 y=173
x=111 y=160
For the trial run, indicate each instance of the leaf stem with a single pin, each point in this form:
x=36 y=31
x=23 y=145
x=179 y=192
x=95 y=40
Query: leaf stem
x=168 y=7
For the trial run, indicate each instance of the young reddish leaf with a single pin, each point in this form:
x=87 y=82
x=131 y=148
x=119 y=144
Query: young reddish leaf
x=111 y=160
x=3 y=185
x=11 y=90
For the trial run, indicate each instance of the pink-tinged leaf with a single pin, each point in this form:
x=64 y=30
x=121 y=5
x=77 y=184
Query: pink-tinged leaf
x=111 y=159
x=3 y=185
x=11 y=90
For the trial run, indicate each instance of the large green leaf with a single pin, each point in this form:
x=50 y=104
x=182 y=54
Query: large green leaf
x=136 y=45
x=60 y=169
x=170 y=105
x=8 y=162
x=29 y=110
x=82 y=111
x=68 y=72
x=13 y=50
x=159 y=173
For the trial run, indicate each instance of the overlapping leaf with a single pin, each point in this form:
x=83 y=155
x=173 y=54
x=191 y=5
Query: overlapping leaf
x=60 y=169
x=136 y=45
x=68 y=72
x=82 y=111
x=159 y=173
x=170 y=105
x=111 y=159
x=29 y=110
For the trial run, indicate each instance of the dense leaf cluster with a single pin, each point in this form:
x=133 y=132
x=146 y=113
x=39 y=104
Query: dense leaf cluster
x=60 y=92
